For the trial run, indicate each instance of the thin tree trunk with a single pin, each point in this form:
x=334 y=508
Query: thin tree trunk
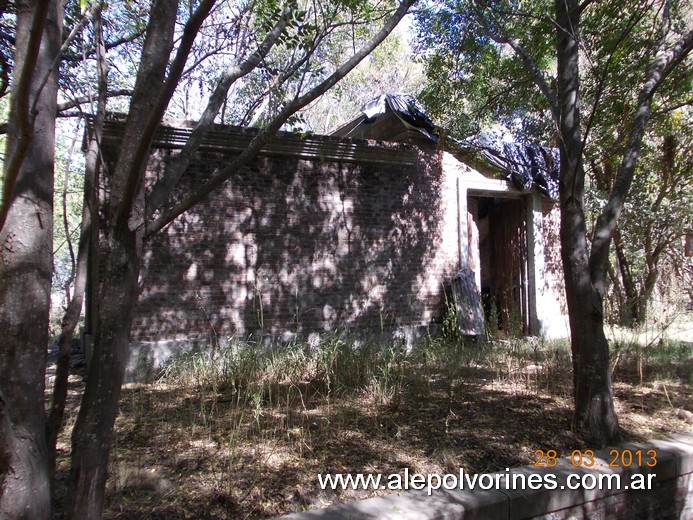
x=629 y=313
x=74 y=307
x=26 y=265
x=91 y=437
x=119 y=254
x=618 y=301
x=30 y=62
x=653 y=253
x=652 y=275
x=595 y=417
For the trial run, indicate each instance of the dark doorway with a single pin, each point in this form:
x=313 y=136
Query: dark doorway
x=498 y=254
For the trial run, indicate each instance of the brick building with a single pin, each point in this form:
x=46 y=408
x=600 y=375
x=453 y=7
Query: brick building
x=362 y=231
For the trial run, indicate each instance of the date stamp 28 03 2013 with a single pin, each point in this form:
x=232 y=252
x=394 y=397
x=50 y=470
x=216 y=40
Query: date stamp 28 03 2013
x=618 y=458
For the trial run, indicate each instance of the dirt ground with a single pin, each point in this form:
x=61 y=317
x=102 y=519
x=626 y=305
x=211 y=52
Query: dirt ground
x=197 y=453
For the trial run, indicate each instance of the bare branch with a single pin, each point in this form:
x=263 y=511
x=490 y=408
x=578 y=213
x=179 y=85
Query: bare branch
x=162 y=189
x=267 y=133
x=672 y=108
x=110 y=45
x=74 y=103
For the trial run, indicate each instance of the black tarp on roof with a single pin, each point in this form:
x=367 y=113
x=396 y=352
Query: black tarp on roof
x=406 y=108
x=525 y=164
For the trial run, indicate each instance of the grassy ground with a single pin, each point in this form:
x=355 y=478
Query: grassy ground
x=244 y=435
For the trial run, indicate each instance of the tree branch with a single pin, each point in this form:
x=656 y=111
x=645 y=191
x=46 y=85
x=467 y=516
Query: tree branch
x=163 y=188
x=267 y=133
x=108 y=46
x=671 y=108
x=20 y=112
x=73 y=103
x=665 y=60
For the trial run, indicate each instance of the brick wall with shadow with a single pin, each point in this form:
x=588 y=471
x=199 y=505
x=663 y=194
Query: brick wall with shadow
x=291 y=247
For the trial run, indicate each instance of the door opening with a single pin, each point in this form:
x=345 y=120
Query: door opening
x=498 y=256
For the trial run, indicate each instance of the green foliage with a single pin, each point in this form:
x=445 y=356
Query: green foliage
x=477 y=80
x=657 y=214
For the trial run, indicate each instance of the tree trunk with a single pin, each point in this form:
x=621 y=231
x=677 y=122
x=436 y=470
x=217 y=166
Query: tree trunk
x=119 y=254
x=26 y=264
x=648 y=285
x=595 y=417
x=91 y=437
x=74 y=308
x=630 y=312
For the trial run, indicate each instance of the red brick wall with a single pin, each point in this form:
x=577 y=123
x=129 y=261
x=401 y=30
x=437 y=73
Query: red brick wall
x=293 y=246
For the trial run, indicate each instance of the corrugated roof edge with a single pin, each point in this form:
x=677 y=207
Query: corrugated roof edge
x=308 y=146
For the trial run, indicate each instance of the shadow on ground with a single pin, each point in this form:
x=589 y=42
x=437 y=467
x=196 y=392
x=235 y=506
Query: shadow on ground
x=199 y=453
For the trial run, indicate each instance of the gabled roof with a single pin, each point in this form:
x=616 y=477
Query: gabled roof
x=408 y=120
x=397 y=117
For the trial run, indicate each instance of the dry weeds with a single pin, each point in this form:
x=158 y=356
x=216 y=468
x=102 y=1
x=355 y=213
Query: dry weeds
x=218 y=452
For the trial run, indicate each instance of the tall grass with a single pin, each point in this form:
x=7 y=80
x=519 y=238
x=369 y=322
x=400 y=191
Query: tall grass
x=335 y=367
x=250 y=402
x=382 y=372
